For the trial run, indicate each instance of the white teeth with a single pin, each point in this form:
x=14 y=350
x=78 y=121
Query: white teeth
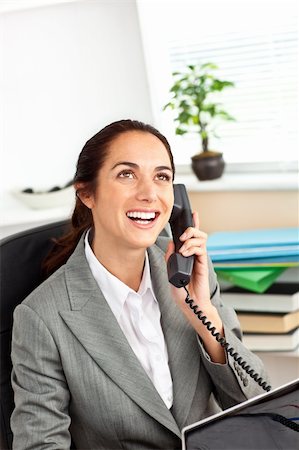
x=141 y=215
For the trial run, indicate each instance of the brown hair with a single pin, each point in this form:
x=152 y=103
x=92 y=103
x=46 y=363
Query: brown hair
x=90 y=161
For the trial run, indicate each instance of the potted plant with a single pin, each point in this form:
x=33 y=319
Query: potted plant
x=195 y=100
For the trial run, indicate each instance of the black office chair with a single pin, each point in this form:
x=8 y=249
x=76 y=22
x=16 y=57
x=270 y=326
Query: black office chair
x=21 y=260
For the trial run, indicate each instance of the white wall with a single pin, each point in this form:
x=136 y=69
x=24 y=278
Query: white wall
x=69 y=69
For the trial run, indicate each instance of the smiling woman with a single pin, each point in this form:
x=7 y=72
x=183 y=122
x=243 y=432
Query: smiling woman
x=106 y=352
x=133 y=186
x=108 y=149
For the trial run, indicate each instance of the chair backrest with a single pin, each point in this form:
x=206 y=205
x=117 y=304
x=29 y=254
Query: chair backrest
x=21 y=257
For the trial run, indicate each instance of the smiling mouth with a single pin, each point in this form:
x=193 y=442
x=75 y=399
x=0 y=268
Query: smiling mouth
x=142 y=217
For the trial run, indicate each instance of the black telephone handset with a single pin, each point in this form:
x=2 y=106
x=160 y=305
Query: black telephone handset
x=180 y=267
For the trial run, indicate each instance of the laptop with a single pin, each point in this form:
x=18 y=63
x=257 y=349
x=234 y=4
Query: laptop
x=269 y=421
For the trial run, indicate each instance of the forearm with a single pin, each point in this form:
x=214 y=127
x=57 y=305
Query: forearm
x=214 y=349
x=234 y=384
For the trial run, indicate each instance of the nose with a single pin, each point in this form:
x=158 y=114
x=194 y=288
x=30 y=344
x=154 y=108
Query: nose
x=146 y=191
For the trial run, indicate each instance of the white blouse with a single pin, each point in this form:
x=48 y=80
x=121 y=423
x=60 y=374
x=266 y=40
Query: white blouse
x=138 y=315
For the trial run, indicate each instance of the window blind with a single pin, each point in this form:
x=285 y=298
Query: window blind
x=264 y=68
x=255 y=45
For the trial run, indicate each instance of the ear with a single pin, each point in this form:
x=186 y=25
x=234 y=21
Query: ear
x=84 y=195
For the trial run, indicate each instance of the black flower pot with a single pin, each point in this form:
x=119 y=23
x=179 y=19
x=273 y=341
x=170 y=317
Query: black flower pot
x=208 y=165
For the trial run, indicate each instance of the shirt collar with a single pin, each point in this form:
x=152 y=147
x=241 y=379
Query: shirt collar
x=115 y=291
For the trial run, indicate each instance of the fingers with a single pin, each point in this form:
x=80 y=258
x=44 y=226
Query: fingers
x=194 y=240
x=192 y=232
x=195 y=219
x=194 y=246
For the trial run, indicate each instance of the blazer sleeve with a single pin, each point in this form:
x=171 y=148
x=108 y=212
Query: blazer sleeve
x=232 y=383
x=40 y=419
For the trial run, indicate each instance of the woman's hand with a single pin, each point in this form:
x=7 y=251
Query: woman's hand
x=195 y=243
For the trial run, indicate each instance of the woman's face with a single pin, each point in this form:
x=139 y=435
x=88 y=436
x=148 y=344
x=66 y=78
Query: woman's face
x=134 y=196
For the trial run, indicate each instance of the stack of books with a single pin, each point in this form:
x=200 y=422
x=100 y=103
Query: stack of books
x=269 y=321
x=259 y=277
x=254 y=259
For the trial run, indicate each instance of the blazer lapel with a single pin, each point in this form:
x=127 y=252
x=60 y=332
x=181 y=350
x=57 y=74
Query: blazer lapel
x=95 y=326
x=182 y=345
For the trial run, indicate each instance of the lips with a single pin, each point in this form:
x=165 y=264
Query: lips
x=142 y=217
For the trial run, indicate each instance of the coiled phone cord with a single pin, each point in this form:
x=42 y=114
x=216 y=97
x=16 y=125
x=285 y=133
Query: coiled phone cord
x=223 y=342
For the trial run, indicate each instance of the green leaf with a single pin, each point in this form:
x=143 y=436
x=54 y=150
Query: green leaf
x=210 y=108
x=184 y=104
x=209 y=65
x=225 y=116
x=175 y=88
x=184 y=117
x=168 y=105
x=180 y=131
x=219 y=85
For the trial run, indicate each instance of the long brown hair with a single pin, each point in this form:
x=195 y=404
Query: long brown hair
x=90 y=161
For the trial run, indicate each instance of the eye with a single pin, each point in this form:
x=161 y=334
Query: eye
x=163 y=177
x=126 y=174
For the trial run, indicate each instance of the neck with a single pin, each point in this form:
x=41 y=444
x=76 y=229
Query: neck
x=127 y=266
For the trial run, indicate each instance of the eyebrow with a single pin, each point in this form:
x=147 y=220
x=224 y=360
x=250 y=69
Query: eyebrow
x=135 y=166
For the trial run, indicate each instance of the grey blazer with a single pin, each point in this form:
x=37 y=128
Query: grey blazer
x=74 y=373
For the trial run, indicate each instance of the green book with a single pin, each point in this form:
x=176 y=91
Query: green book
x=256 y=280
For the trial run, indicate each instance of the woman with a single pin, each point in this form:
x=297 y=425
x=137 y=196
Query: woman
x=105 y=351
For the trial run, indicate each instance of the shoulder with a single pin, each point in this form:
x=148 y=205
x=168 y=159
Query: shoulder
x=51 y=292
x=55 y=290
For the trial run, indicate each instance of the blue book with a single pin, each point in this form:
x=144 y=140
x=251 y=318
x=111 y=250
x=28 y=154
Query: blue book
x=253 y=238
x=253 y=253
x=276 y=260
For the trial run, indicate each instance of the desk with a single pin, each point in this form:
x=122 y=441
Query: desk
x=282 y=367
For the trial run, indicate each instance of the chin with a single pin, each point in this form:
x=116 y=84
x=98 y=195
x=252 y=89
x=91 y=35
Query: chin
x=144 y=243
x=144 y=238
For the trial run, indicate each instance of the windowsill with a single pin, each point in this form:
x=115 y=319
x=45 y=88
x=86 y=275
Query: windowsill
x=16 y=216
x=272 y=181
